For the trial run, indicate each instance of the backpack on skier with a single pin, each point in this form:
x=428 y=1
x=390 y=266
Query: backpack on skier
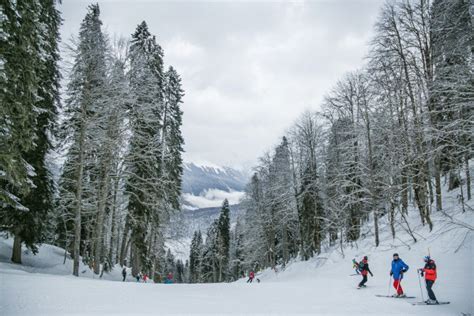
x=356 y=266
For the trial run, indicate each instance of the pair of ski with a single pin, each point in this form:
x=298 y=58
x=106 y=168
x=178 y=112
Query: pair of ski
x=415 y=303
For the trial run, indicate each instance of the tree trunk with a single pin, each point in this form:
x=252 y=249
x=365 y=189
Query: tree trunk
x=133 y=259
x=372 y=190
x=103 y=193
x=118 y=246
x=16 y=253
x=421 y=196
x=78 y=210
x=114 y=229
x=392 y=219
x=98 y=240
x=284 y=245
x=462 y=199
x=439 y=201
x=376 y=226
x=468 y=177
x=124 y=243
x=404 y=191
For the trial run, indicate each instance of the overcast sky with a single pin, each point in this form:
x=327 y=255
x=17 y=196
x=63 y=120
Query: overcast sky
x=248 y=68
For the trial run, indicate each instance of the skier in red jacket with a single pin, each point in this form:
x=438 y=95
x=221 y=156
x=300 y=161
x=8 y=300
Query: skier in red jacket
x=364 y=270
x=251 y=277
x=429 y=272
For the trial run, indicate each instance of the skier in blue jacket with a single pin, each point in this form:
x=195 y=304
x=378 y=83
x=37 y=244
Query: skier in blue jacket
x=398 y=269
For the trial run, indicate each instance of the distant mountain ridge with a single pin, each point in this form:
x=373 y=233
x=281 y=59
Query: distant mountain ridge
x=206 y=186
x=199 y=178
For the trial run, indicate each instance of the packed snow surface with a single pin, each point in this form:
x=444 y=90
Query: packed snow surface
x=321 y=286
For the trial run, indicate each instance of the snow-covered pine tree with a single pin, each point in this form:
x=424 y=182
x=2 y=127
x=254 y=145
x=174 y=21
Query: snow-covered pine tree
x=170 y=264
x=85 y=99
x=41 y=210
x=186 y=272
x=210 y=260
x=451 y=92
x=283 y=201
x=180 y=271
x=19 y=83
x=223 y=241
x=237 y=251
x=195 y=258
x=171 y=138
x=144 y=160
x=30 y=98
x=110 y=133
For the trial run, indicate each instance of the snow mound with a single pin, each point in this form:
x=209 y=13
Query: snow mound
x=49 y=260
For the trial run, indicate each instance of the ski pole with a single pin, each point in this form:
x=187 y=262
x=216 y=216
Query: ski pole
x=389 y=281
x=421 y=290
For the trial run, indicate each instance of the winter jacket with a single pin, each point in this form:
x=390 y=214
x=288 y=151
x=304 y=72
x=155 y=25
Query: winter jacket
x=398 y=268
x=430 y=271
x=364 y=268
x=251 y=275
x=169 y=278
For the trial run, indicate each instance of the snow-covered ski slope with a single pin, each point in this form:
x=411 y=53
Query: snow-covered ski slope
x=321 y=286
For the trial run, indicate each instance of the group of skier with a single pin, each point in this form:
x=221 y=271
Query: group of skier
x=398 y=269
x=144 y=277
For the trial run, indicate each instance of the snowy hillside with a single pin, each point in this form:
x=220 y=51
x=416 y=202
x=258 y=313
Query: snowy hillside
x=321 y=286
x=207 y=185
x=184 y=225
x=49 y=260
x=204 y=188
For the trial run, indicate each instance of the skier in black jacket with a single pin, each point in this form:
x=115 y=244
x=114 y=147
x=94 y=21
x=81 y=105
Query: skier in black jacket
x=364 y=270
x=124 y=273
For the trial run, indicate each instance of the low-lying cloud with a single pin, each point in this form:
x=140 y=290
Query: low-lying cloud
x=212 y=198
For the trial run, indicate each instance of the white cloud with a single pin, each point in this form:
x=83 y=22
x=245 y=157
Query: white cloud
x=213 y=198
x=181 y=48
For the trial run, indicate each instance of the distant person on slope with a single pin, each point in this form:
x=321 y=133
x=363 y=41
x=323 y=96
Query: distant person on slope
x=251 y=277
x=398 y=269
x=169 y=278
x=429 y=272
x=124 y=273
x=364 y=270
